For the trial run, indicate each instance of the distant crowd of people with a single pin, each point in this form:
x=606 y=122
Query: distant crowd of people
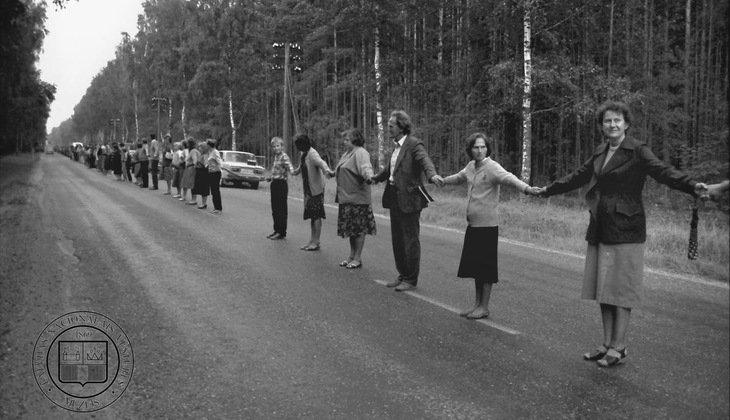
x=192 y=168
x=615 y=175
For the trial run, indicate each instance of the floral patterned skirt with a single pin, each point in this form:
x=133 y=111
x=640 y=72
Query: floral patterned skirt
x=355 y=220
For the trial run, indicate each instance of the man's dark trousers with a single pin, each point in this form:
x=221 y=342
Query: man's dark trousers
x=155 y=170
x=143 y=172
x=404 y=232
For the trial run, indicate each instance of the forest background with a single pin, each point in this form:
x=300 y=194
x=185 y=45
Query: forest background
x=216 y=69
x=530 y=73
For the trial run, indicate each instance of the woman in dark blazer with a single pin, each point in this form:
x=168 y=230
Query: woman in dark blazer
x=614 y=266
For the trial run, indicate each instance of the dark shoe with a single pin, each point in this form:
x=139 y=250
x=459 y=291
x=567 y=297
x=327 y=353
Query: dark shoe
x=277 y=236
x=271 y=234
x=596 y=354
x=353 y=265
x=612 y=358
x=393 y=283
x=203 y=207
x=404 y=287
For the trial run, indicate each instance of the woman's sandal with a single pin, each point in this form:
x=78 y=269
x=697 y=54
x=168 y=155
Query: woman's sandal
x=612 y=357
x=596 y=354
x=344 y=263
x=352 y=265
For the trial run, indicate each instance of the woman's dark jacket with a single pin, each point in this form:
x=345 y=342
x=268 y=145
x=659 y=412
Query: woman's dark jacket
x=614 y=192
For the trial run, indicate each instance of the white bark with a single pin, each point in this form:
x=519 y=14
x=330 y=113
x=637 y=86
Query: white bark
x=182 y=120
x=526 y=99
x=378 y=105
x=136 y=112
x=230 y=116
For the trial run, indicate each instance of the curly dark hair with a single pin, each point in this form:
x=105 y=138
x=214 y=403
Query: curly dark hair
x=488 y=141
x=617 y=107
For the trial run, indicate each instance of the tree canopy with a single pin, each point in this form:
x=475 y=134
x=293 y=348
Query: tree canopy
x=455 y=66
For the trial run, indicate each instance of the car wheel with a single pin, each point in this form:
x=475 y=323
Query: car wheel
x=255 y=185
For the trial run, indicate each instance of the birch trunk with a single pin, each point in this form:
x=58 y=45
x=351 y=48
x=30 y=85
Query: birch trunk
x=230 y=117
x=378 y=105
x=526 y=92
x=182 y=120
x=136 y=112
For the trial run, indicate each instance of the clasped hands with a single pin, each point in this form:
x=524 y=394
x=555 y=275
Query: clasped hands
x=535 y=191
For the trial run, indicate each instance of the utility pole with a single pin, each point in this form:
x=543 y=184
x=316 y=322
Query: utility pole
x=114 y=122
x=158 y=100
x=286 y=103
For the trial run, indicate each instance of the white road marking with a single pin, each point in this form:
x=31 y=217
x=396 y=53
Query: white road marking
x=450 y=308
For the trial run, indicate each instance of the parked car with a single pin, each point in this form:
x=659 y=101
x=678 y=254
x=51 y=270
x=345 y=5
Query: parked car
x=240 y=168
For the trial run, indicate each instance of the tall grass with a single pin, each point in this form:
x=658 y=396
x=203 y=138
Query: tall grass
x=560 y=223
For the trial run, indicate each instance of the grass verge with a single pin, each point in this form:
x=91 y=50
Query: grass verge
x=560 y=224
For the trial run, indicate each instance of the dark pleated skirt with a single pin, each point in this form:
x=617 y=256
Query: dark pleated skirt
x=314 y=207
x=201 y=186
x=479 y=255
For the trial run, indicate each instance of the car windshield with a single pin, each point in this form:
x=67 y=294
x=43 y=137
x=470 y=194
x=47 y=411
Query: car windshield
x=240 y=157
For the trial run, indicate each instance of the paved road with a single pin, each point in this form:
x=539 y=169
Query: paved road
x=225 y=323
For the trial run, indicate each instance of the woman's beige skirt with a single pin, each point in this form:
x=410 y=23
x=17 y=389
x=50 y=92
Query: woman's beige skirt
x=614 y=274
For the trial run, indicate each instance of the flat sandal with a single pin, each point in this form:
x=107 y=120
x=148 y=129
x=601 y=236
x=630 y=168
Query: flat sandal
x=597 y=354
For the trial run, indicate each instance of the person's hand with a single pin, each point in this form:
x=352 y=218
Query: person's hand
x=535 y=191
x=436 y=179
x=701 y=191
x=715 y=191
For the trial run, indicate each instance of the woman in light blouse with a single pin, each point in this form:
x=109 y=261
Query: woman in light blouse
x=355 y=217
x=188 y=179
x=214 y=175
x=312 y=168
x=483 y=177
x=201 y=186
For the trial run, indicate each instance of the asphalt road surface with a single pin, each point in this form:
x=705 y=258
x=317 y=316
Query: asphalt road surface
x=225 y=323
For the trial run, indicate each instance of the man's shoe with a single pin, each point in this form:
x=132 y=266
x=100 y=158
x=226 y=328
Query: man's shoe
x=393 y=283
x=404 y=287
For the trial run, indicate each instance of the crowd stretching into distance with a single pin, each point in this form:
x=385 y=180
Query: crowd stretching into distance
x=615 y=175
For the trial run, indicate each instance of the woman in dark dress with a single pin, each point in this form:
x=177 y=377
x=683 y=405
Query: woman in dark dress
x=312 y=168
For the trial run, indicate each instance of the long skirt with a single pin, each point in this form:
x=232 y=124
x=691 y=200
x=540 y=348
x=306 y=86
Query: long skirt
x=614 y=274
x=201 y=182
x=188 y=178
x=166 y=173
x=479 y=254
x=176 y=176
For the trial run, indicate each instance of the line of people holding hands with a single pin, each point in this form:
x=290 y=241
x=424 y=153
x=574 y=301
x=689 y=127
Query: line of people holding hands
x=614 y=174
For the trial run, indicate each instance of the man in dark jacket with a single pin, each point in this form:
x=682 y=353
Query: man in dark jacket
x=405 y=174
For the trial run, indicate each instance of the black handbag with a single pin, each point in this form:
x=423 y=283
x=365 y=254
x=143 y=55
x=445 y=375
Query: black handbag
x=692 y=246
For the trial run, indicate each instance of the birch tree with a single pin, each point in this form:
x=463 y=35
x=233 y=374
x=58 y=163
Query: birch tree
x=525 y=172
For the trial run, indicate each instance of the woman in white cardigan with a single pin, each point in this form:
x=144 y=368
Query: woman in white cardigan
x=479 y=255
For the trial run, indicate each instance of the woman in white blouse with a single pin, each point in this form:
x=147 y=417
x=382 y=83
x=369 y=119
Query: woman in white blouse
x=479 y=254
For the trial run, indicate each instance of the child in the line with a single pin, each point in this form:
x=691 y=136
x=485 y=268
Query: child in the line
x=280 y=170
